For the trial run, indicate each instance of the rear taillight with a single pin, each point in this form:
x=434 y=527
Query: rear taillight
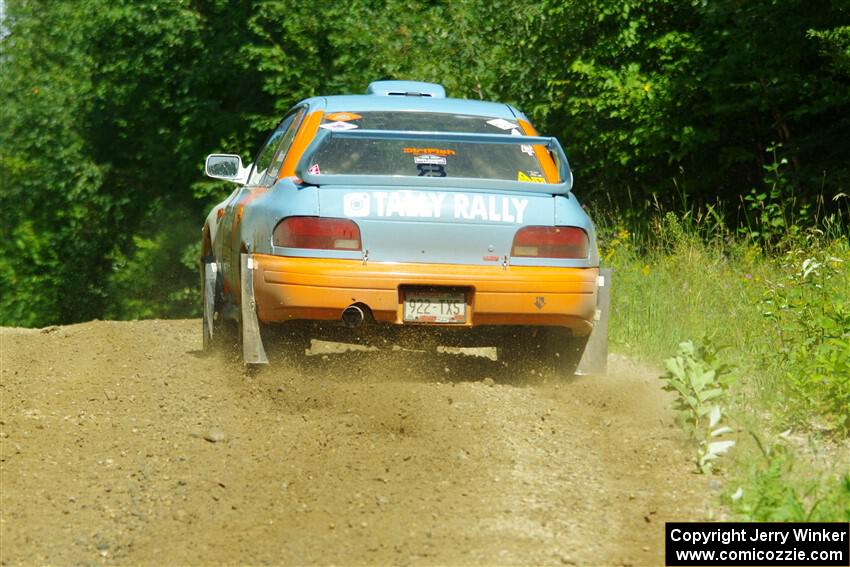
x=550 y=242
x=315 y=232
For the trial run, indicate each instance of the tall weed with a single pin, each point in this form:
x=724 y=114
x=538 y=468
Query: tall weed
x=700 y=381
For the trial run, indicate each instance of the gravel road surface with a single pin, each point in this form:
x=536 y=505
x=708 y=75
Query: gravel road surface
x=121 y=443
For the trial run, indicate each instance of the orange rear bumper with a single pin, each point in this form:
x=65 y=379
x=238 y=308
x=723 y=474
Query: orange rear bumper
x=288 y=288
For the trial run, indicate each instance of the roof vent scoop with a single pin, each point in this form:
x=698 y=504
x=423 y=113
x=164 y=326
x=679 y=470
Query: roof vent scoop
x=406 y=88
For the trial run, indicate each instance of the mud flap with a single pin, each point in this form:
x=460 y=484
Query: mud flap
x=253 y=351
x=594 y=361
x=210 y=283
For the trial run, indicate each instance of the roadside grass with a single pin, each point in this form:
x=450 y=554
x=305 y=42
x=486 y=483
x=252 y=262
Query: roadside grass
x=778 y=313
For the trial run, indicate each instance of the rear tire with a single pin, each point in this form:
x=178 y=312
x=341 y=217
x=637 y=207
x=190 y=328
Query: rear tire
x=285 y=343
x=517 y=350
x=561 y=350
x=554 y=348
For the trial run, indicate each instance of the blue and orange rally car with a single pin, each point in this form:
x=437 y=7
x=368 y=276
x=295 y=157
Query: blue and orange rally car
x=402 y=213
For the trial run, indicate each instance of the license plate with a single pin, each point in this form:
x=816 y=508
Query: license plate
x=435 y=307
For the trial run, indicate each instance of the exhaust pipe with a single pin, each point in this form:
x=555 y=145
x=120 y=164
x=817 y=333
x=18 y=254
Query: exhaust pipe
x=353 y=316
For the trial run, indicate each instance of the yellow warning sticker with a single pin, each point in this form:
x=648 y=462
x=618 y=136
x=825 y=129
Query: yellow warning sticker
x=520 y=176
x=342 y=116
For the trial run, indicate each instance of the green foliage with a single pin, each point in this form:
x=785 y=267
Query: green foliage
x=52 y=241
x=774 y=490
x=671 y=283
x=700 y=381
x=696 y=376
x=835 y=44
x=144 y=282
x=677 y=99
x=108 y=110
x=607 y=83
x=110 y=106
x=810 y=311
x=784 y=316
x=768 y=207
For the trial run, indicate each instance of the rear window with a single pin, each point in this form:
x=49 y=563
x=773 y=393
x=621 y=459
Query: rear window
x=348 y=156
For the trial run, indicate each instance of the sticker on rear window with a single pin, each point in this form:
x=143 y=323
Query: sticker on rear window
x=429 y=158
x=502 y=124
x=338 y=125
x=342 y=116
x=532 y=178
x=314 y=169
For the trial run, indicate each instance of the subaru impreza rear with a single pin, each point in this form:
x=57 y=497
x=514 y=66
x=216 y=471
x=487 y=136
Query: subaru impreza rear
x=400 y=215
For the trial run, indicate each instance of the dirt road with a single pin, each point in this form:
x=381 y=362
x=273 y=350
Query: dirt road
x=121 y=444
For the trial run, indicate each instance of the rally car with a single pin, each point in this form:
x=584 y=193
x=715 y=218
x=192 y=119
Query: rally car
x=402 y=213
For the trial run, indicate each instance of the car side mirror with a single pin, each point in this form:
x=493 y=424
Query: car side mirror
x=226 y=166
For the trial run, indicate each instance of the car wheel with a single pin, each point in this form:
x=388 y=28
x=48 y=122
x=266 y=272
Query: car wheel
x=285 y=343
x=561 y=350
x=519 y=349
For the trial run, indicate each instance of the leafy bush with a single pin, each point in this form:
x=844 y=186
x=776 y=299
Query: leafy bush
x=810 y=311
x=158 y=277
x=775 y=490
x=700 y=381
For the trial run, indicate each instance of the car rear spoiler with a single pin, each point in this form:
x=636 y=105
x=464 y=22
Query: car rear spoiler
x=551 y=144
